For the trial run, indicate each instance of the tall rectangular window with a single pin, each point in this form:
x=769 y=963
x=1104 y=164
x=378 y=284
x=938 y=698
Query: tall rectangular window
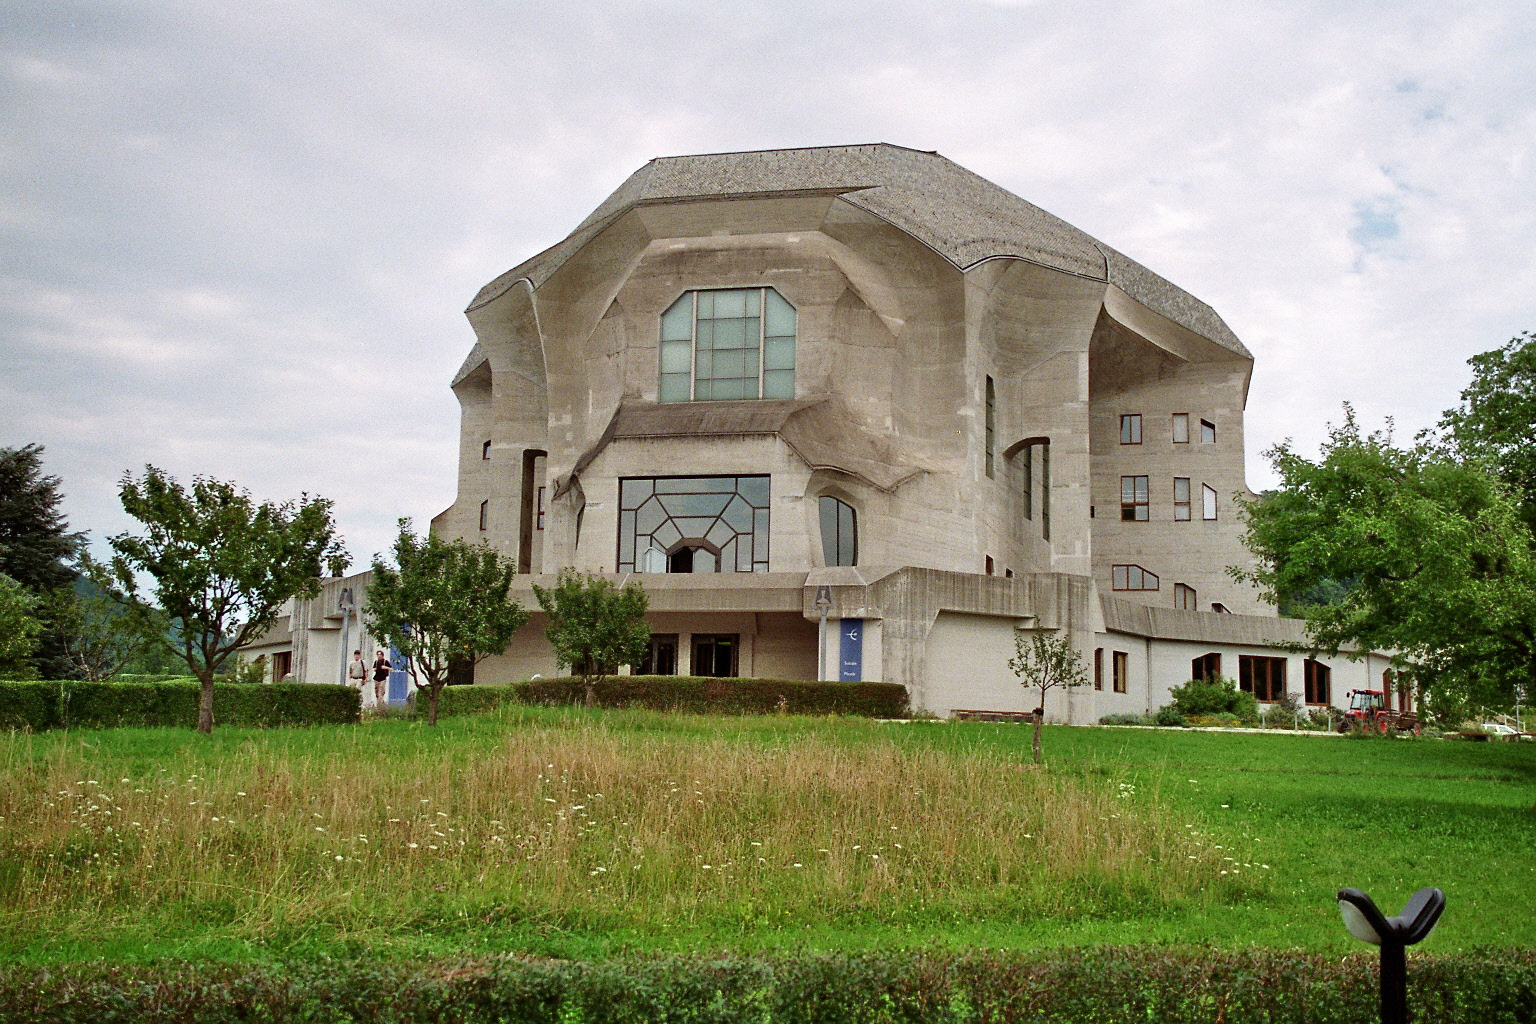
x=1207 y=432
x=1261 y=676
x=538 y=512
x=1184 y=597
x=485 y=450
x=1098 y=668
x=1133 y=499
x=1181 y=428
x=991 y=425
x=839 y=531
x=1130 y=429
x=1208 y=501
x=484 y=513
x=1181 y=499
x=727 y=343
x=1317 y=679
x=989 y=567
x=1206 y=668
x=1122 y=671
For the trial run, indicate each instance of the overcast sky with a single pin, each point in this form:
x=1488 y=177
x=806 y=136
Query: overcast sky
x=237 y=238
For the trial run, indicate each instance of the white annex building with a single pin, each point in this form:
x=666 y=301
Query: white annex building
x=747 y=377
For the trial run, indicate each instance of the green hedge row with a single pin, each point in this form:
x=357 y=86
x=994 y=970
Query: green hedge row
x=691 y=694
x=1100 y=985
x=75 y=704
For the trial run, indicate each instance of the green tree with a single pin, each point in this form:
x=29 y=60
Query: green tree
x=1496 y=421
x=1439 y=564
x=442 y=604
x=594 y=626
x=100 y=633
x=18 y=629
x=221 y=565
x=36 y=546
x=1045 y=662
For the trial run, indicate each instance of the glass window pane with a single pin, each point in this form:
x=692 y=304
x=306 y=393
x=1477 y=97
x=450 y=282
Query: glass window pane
x=1181 y=488
x=730 y=364
x=1120 y=574
x=779 y=354
x=1209 y=494
x=1141 y=489
x=703 y=390
x=749 y=362
x=703 y=366
x=780 y=316
x=1149 y=581
x=779 y=384
x=754 y=302
x=675 y=355
x=754 y=489
x=1181 y=428
x=1141 y=513
x=827 y=507
x=695 y=504
x=731 y=334
x=729 y=303
x=674 y=388
x=633 y=492
x=1127 y=490
x=707 y=305
x=677 y=321
x=731 y=389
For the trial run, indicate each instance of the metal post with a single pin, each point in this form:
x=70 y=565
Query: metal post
x=1394 y=983
x=823 y=602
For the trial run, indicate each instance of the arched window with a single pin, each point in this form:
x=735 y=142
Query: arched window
x=727 y=343
x=839 y=531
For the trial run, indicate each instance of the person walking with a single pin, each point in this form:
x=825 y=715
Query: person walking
x=381 y=667
x=357 y=672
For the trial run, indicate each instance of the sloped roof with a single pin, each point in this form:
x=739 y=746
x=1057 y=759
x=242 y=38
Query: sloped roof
x=962 y=216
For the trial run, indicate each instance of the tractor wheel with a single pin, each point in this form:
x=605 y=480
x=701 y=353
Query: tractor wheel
x=1383 y=724
x=1343 y=727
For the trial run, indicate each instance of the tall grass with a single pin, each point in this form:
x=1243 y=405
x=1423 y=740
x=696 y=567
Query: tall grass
x=570 y=824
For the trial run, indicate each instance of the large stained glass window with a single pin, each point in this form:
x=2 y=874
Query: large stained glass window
x=727 y=343
x=693 y=524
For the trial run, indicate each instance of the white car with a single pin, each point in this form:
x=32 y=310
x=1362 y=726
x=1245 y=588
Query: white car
x=1500 y=729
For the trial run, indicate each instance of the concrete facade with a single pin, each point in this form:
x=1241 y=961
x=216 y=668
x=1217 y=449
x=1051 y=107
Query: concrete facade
x=963 y=367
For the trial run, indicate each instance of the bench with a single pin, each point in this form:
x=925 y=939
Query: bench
x=971 y=715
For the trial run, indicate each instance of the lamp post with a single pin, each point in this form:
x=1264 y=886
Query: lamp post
x=823 y=602
x=1394 y=935
x=345 y=604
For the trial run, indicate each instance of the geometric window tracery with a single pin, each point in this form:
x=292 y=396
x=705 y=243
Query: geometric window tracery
x=693 y=524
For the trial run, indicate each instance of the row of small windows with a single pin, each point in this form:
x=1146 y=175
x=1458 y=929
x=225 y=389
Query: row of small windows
x=1120 y=670
x=727 y=343
x=1130 y=429
x=1134 y=577
x=1135 y=499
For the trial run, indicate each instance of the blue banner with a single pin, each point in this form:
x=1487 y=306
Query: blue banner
x=399 y=678
x=851 y=657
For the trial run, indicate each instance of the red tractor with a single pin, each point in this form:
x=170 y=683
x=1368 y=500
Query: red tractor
x=1369 y=710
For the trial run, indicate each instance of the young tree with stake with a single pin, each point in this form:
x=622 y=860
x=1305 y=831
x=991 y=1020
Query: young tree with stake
x=443 y=603
x=594 y=624
x=1045 y=662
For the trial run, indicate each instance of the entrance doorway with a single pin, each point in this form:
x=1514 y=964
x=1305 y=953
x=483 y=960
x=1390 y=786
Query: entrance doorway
x=715 y=655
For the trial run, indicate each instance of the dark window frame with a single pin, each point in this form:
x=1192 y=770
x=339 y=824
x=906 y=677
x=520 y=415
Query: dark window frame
x=1261 y=675
x=1130 y=428
x=1135 y=498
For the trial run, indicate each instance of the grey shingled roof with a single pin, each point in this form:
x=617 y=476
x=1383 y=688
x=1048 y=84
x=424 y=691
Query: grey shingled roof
x=960 y=215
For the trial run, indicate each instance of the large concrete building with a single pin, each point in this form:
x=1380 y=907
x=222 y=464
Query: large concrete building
x=865 y=373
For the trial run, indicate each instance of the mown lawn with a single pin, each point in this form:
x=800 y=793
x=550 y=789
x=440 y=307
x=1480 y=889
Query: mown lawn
x=586 y=834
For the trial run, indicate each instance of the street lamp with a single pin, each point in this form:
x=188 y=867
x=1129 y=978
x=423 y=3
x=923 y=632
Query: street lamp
x=1394 y=935
x=823 y=602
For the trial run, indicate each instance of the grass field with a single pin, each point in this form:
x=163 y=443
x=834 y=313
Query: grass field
x=584 y=834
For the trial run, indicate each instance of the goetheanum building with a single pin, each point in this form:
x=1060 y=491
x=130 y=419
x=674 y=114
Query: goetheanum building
x=867 y=374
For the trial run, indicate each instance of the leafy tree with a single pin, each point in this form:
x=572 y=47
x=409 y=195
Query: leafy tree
x=222 y=565
x=100 y=633
x=1440 y=565
x=442 y=604
x=36 y=545
x=18 y=629
x=594 y=626
x=1496 y=421
x=1045 y=662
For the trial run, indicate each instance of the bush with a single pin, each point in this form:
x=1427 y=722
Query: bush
x=1198 y=698
x=700 y=695
x=1124 y=718
x=1175 y=986
x=75 y=704
x=1169 y=715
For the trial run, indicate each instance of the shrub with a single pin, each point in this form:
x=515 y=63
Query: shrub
x=1123 y=718
x=76 y=704
x=692 y=694
x=1175 y=986
x=1199 y=698
x=1169 y=715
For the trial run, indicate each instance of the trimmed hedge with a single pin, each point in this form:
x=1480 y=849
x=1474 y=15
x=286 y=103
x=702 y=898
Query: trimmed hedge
x=701 y=695
x=75 y=704
x=1173 y=986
